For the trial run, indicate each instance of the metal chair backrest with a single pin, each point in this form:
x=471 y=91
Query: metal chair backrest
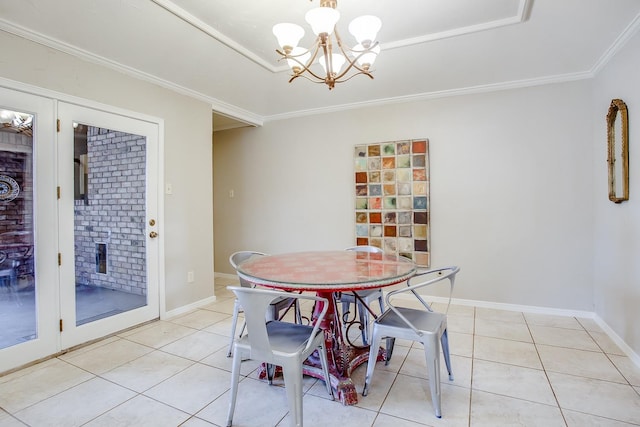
x=237 y=258
x=255 y=302
x=441 y=274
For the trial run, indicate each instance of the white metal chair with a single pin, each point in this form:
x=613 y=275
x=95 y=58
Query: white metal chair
x=422 y=325
x=278 y=305
x=278 y=343
x=367 y=295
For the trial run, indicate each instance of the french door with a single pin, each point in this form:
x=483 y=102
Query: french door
x=28 y=232
x=108 y=222
x=79 y=226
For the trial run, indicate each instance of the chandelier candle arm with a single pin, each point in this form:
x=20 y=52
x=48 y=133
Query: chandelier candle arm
x=365 y=57
x=338 y=78
x=323 y=21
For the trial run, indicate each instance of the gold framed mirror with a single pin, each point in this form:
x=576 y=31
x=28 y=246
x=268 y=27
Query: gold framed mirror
x=618 y=151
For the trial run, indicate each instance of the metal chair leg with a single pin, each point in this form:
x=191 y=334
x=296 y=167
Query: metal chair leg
x=234 y=322
x=235 y=379
x=432 y=356
x=445 y=351
x=373 y=357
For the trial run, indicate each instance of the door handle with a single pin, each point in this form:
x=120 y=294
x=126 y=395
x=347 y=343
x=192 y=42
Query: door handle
x=153 y=234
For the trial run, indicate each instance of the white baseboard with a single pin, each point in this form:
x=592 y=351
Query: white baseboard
x=186 y=308
x=225 y=276
x=635 y=358
x=517 y=307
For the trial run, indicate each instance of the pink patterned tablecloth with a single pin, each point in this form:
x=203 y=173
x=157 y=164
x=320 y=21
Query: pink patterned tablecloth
x=327 y=270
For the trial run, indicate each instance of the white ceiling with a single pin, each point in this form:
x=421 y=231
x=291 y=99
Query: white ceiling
x=224 y=52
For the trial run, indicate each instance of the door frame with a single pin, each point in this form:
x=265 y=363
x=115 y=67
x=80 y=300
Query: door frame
x=50 y=341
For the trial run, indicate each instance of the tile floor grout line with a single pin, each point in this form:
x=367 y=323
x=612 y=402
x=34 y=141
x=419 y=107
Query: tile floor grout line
x=607 y=355
x=55 y=394
x=473 y=353
x=546 y=375
x=78 y=367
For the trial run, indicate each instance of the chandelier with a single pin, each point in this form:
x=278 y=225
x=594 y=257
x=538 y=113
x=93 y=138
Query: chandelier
x=16 y=122
x=339 y=62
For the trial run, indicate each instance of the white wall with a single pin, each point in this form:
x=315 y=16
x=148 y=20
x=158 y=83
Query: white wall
x=511 y=188
x=617 y=230
x=188 y=231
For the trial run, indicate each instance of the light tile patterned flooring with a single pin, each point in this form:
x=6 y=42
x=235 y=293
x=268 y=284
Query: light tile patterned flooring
x=511 y=369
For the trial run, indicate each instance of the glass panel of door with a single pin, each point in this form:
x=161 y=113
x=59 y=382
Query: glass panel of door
x=17 y=272
x=109 y=222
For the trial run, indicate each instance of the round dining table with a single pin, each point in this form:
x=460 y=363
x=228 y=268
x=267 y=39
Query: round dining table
x=327 y=273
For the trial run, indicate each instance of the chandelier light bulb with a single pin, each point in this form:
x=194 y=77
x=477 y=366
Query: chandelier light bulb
x=6 y=116
x=288 y=35
x=365 y=29
x=322 y=19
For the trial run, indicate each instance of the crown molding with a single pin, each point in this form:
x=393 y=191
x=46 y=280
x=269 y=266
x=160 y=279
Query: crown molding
x=619 y=42
x=472 y=90
x=50 y=42
x=192 y=20
x=524 y=8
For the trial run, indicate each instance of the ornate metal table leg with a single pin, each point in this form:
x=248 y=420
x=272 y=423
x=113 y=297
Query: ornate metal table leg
x=343 y=357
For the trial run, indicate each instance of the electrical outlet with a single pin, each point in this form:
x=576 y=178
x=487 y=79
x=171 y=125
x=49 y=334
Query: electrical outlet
x=190 y=278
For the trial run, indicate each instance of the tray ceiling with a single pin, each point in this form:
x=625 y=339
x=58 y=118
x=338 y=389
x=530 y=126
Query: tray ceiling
x=223 y=52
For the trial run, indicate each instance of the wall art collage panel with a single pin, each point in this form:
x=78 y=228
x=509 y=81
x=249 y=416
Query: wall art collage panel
x=392 y=198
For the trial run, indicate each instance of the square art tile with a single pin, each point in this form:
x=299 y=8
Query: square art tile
x=392 y=198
